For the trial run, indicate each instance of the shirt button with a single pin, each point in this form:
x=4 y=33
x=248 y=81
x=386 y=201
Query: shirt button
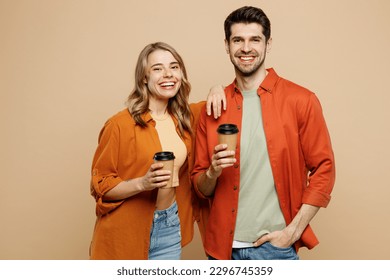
x=238 y=107
x=233 y=210
x=231 y=231
x=155 y=216
x=236 y=166
x=235 y=188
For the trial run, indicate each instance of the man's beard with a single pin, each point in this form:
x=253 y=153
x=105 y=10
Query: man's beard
x=245 y=72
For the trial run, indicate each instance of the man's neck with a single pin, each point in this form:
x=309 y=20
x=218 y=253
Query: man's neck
x=247 y=83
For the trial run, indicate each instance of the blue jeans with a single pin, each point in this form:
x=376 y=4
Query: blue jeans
x=165 y=236
x=266 y=251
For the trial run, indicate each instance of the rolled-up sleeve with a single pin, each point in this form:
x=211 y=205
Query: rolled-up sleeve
x=105 y=168
x=318 y=154
x=202 y=158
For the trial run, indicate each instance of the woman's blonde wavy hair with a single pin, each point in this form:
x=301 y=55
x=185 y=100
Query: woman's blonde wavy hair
x=138 y=100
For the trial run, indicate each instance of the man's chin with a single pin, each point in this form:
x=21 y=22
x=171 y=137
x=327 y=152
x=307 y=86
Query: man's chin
x=246 y=72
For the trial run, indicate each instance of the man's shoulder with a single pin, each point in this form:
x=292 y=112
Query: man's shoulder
x=290 y=88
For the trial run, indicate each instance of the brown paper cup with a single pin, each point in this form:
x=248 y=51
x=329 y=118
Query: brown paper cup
x=227 y=134
x=167 y=158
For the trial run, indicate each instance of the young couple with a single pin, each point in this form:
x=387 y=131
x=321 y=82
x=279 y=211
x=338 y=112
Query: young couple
x=252 y=203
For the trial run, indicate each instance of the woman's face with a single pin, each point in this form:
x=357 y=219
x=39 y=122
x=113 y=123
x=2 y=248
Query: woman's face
x=163 y=74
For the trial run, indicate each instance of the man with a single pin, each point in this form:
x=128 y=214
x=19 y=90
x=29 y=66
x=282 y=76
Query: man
x=264 y=194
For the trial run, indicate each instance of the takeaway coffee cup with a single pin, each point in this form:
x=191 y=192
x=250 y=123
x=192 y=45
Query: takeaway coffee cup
x=167 y=158
x=227 y=134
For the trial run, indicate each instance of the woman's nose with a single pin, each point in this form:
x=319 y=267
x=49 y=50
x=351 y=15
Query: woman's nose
x=168 y=73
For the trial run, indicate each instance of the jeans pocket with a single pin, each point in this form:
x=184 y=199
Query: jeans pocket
x=173 y=220
x=279 y=248
x=282 y=253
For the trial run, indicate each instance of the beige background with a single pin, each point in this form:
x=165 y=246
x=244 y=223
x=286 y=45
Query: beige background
x=67 y=65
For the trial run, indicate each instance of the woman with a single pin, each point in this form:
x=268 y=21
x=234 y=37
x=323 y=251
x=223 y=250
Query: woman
x=137 y=218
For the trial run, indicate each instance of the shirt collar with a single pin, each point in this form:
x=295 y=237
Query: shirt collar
x=147 y=117
x=268 y=83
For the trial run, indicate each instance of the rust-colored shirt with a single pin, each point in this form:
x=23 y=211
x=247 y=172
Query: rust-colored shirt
x=300 y=154
x=125 y=151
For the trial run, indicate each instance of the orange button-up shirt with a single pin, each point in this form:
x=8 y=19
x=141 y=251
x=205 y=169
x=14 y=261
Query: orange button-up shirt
x=125 y=151
x=300 y=154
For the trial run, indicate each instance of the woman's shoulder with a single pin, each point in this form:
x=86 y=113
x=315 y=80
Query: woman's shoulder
x=196 y=108
x=118 y=122
x=120 y=118
x=121 y=124
x=122 y=115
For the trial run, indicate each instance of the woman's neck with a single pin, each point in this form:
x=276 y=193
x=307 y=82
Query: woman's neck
x=158 y=108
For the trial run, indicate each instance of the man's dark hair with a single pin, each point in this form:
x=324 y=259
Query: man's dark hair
x=248 y=14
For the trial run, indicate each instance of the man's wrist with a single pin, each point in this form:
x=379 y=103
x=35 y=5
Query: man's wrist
x=208 y=175
x=206 y=183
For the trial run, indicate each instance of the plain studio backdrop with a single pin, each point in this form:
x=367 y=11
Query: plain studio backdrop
x=68 y=65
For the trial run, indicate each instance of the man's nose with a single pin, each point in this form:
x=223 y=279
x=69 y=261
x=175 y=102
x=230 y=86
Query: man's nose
x=246 y=47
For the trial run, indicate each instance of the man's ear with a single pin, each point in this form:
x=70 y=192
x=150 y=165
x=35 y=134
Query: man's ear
x=227 y=46
x=269 y=44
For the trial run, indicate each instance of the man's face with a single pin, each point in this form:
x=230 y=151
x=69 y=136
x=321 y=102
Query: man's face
x=247 y=48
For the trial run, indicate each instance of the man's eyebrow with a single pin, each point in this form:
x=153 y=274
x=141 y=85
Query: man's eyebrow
x=252 y=37
x=256 y=37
